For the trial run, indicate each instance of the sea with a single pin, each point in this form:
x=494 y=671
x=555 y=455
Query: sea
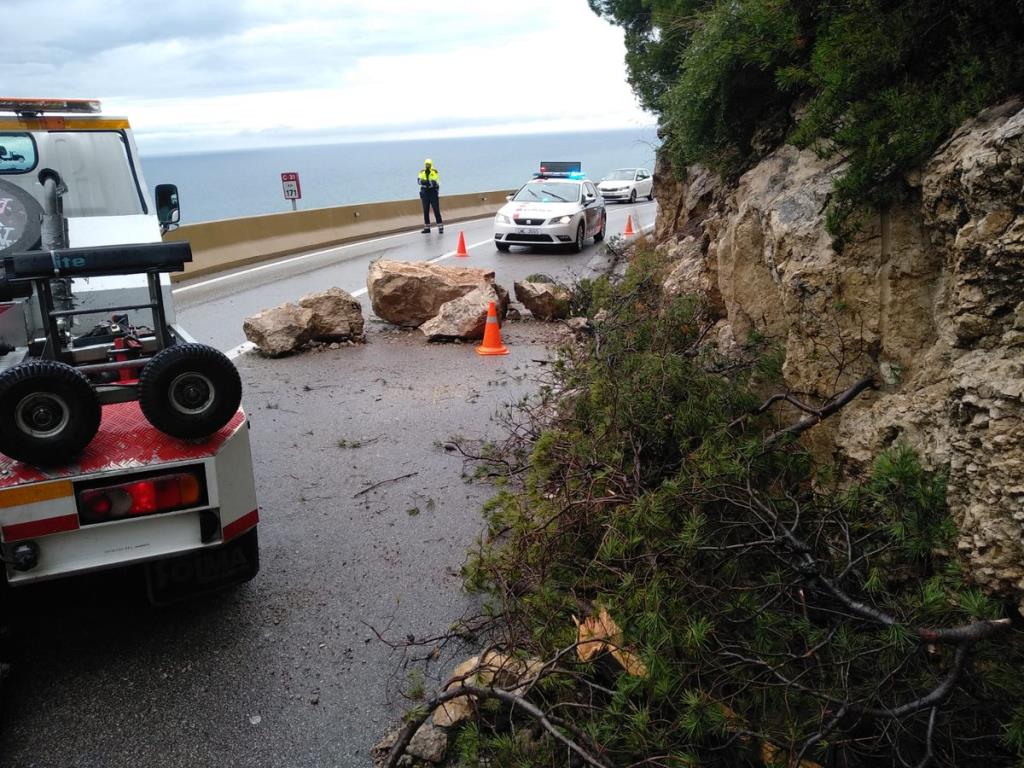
x=231 y=184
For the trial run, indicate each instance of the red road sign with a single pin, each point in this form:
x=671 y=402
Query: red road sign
x=291 y=186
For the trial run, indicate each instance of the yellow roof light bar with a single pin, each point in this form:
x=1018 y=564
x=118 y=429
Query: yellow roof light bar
x=39 y=106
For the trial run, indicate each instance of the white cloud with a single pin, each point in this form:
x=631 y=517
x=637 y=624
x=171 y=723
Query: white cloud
x=204 y=75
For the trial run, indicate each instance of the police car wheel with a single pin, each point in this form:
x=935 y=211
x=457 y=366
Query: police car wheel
x=604 y=225
x=49 y=412
x=581 y=237
x=189 y=390
x=503 y=247
x=632 y=196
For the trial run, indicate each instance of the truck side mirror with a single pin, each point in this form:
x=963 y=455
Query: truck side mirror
x=167 y=209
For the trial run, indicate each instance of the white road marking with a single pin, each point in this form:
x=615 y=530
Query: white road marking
x=448 y=255
x=241 y=349
x=300 y=257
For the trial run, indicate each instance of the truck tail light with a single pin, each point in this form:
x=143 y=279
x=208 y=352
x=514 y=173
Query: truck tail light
x=161 y=493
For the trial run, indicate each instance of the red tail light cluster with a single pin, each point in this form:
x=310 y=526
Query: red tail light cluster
x=163 y=493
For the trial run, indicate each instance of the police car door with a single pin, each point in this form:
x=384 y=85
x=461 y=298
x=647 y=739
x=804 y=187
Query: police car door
x=591 y=208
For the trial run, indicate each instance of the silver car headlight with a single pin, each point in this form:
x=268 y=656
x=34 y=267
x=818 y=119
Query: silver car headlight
x=501 y=218
x=560 y=220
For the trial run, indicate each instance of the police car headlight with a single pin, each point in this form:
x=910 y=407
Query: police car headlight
x=561 y=220
x=501 y=218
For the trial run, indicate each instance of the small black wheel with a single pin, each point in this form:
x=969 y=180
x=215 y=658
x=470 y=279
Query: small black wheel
x=632 y=196
x=651 y=196
x=503 y=247
x=604 y=226
x=581 y=237
x=48 y=412
x=189 y=390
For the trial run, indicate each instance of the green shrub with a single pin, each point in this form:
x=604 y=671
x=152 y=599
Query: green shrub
x=876 y=83
x=651 y=492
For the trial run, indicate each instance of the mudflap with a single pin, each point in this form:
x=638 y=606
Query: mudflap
x=206 y=570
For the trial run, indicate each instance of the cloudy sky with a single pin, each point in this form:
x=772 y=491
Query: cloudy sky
x=208 y=74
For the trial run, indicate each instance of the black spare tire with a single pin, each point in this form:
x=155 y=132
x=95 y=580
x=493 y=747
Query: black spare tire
x=189 y=390
x=20 y=219
x=48 y=412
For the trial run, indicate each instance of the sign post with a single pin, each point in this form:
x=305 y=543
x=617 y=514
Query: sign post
x=292 y=188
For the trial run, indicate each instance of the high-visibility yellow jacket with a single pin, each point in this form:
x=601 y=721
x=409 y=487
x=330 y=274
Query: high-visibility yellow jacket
x=429 y=181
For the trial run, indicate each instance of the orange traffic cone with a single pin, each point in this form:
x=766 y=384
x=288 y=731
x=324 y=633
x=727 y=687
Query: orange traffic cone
x=461 y=250
x=492 y=334
x=629 y=227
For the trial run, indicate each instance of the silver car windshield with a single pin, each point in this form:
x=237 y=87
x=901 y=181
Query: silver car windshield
x=621 y=174
x=549 y=192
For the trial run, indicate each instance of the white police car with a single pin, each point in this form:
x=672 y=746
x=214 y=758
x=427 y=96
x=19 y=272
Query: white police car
x=559 y=206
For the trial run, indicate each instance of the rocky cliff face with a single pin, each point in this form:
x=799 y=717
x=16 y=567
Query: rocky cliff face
x=929 y=298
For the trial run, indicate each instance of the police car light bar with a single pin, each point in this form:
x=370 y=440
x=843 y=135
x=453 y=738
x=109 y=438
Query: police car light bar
x=39 y=106
x=548 y=167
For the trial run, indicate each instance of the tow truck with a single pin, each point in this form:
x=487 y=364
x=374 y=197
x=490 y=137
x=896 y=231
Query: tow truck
x=122 y=440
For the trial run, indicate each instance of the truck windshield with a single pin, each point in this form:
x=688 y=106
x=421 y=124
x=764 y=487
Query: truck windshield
x=94 y=166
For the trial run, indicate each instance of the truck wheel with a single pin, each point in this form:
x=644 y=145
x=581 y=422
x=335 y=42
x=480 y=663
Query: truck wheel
x=189 y=390
x=48 y=412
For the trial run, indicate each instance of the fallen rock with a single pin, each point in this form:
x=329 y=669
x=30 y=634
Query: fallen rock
x=427 y=744
x=462 y=318
x=337 y=315
x=494 y=669
x=410 y=293
x=281 y=330
x=547 y=301
x=580 y=326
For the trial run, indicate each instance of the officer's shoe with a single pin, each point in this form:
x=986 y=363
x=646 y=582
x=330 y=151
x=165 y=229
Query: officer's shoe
x=425 y=230
x=441 y=229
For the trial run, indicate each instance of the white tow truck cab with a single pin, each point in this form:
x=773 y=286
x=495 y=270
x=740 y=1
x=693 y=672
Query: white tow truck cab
x=122 y=441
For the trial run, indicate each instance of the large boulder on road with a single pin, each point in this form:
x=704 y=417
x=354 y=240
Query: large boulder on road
x=337 y=315
x=410 y=293
x=280 y=330
x=463 y=317
x=546 y=301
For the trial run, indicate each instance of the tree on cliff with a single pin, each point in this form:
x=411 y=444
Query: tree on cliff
x=878 y=84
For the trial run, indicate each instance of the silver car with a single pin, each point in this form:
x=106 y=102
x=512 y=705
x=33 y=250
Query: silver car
x=627 y=184
x=551 y=211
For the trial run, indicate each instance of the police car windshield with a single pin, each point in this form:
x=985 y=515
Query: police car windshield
x=621 y=174
x=549 y=192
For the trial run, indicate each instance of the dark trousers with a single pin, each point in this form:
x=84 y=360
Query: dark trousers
x=431 y=200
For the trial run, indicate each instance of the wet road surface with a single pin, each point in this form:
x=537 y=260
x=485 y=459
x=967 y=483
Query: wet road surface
x=287 y=670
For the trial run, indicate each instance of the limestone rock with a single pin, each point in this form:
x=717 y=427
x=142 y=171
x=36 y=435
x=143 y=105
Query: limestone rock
x=546 y=301
x=494 y=669
x=927 y=297
x=281 y=330
x=338 y=316
x=463 y=317
x=410 y=293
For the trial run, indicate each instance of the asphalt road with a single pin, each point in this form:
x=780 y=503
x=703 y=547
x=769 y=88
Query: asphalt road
x=287 y=670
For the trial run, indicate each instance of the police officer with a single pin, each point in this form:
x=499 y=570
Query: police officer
x=430 y=186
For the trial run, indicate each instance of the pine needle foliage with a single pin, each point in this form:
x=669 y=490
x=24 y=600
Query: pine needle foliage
x=652 y=492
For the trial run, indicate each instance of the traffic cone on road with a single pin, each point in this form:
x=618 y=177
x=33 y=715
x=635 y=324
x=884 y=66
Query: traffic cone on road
x=492 y=334
x=629 y=227
x=461 y=250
